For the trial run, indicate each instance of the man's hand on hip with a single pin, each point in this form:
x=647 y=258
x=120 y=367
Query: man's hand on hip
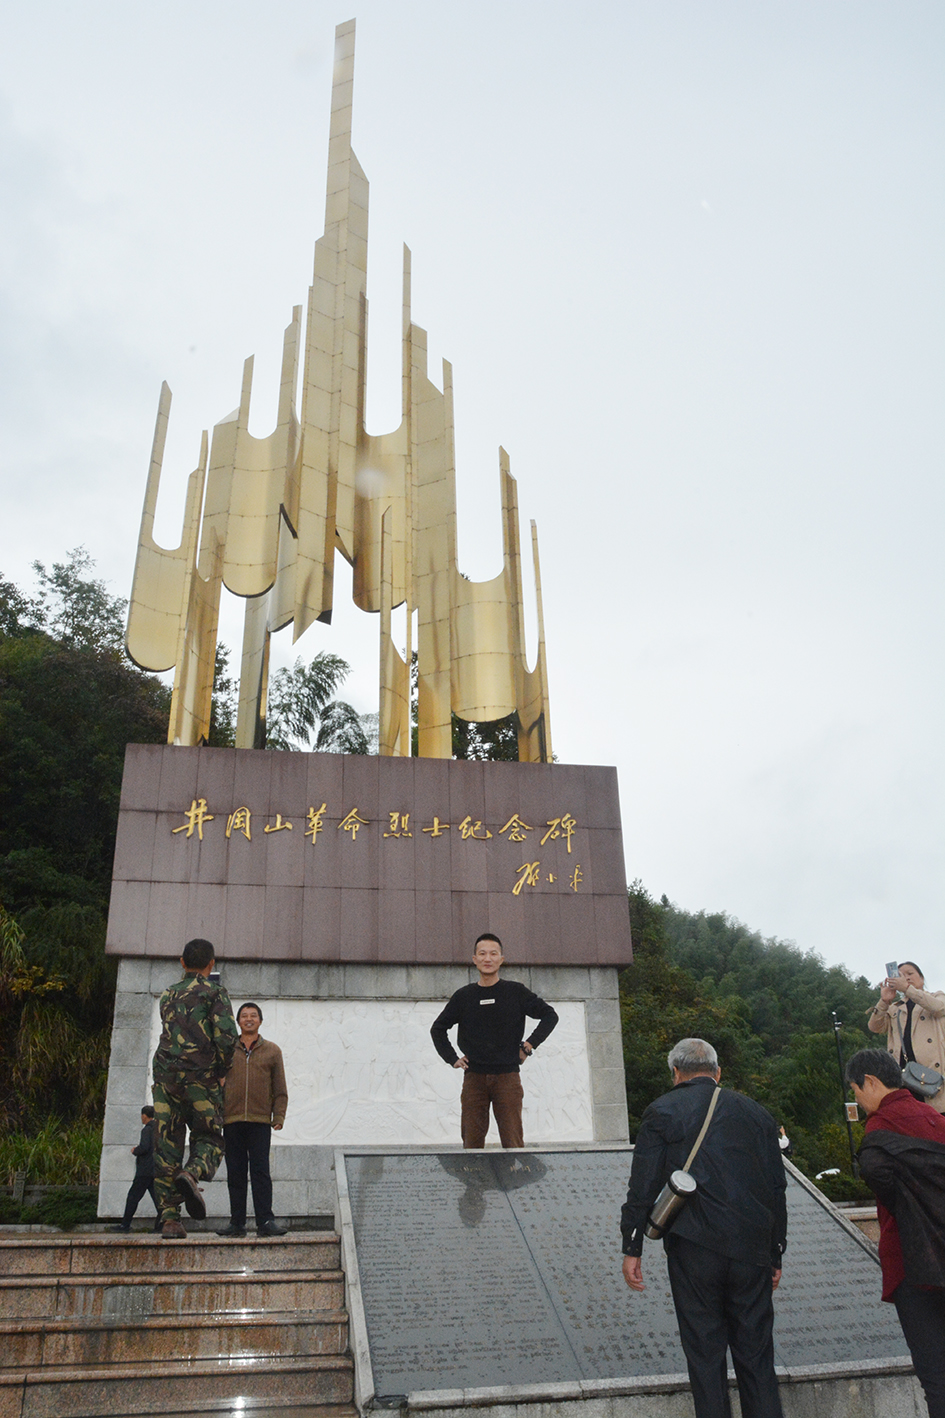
x=462 y=1063
x=633 y=1272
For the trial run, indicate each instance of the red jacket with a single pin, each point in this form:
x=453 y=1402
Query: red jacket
x=900 y=1112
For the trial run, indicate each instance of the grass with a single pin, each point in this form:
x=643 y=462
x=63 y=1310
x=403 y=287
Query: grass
x=53 y=1155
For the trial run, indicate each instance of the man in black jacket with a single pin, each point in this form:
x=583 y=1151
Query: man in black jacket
x=491 y=1018
x=724 y=1249
x=144 y=1172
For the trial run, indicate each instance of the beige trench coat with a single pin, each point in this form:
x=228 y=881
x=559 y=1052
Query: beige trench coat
x=928 y=1030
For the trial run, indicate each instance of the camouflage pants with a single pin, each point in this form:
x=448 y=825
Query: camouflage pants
x=196 y=1104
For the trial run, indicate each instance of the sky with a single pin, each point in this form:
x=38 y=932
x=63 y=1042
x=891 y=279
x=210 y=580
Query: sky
x=687 y=263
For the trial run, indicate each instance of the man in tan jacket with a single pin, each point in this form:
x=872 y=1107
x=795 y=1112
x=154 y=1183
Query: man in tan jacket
x=255 y=1101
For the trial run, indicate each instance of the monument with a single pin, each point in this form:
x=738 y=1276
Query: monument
x=345 y=892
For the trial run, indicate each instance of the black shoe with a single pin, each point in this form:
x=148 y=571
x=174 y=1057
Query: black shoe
x=271 y=1228
x=123 y=1228
x=186 y=1184
x=232 y=1230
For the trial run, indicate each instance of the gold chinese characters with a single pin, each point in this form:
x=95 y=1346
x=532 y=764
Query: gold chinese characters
x=395 y=825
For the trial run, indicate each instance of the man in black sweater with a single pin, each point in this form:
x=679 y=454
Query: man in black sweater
x=491 y=1018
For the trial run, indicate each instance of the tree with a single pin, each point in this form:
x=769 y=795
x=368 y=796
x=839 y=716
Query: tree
x=224 y=703
x=787 y=990
x=661 y=1003
x=341 y=730
x=763 y=1003
x=75 y=608
x=299 y=709
x=66 y=715
x=495 y=741
x=15 y=610
x=301 y=706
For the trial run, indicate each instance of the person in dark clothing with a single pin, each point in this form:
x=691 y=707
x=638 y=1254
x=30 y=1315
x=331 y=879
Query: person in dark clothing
x=724 y=1249
x=902 y=1158
x=144 y=1172
x=491 y=1017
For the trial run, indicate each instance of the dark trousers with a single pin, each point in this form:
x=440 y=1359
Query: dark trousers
x=724 y=1304
x=922 y=1316
x=136 y=1191
x=247 y=1144
x=504 y=1091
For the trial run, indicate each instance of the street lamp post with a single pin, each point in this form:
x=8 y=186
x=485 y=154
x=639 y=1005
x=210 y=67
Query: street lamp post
x=843 y=1092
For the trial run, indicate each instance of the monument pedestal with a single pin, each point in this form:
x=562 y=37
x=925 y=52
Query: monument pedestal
x=344 y=895
x=362 y=1070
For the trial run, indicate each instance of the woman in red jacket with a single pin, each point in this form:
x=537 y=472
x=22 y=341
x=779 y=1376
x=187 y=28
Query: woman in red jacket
x=902 y=1158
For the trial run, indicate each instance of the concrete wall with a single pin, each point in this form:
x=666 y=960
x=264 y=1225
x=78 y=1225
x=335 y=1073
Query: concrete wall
x=303 y=1175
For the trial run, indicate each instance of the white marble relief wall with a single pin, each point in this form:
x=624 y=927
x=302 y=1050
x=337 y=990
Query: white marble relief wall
x=366 y=1072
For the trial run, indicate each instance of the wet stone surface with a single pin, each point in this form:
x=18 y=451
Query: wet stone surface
x=501 y=1268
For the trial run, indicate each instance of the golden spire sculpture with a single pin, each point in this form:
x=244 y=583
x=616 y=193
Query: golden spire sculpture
x=277 y=508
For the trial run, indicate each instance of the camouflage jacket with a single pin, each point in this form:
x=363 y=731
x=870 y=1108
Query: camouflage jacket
x=198 y=1031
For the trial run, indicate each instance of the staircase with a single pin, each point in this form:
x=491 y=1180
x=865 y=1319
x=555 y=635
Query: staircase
x=130 y=1325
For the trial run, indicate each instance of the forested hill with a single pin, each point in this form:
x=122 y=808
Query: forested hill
x=766 y=1006
x=786 y=989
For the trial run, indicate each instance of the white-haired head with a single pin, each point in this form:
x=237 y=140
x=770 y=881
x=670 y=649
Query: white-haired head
x=693 y=1056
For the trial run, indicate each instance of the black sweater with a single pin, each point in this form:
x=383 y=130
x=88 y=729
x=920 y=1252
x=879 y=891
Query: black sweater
x=492 y=1025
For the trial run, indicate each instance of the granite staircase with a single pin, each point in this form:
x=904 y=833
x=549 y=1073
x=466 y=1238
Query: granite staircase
x=96 y=1325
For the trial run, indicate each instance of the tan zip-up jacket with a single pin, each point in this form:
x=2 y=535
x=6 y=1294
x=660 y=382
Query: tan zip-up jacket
x=928 y=1031
x=255 y=1085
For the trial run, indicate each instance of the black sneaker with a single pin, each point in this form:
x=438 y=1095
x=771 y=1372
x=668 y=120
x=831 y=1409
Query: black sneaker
x=271 y=1228
x=124 y=1229
x=232 y=1230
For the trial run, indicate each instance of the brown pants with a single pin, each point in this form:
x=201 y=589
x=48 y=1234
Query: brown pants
x=504 y=1091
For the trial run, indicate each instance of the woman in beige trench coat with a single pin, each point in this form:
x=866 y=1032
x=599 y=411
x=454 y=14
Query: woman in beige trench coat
x=914 y=1025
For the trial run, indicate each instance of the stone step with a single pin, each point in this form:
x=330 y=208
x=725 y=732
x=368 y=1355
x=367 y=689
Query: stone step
x=148 y=1254
x=177 y=1386
x=38 y=1343
x=260 y=1408
x=138 y=1297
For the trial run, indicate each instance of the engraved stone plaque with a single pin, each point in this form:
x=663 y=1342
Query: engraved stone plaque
x=332 y=856
x=480 y=1269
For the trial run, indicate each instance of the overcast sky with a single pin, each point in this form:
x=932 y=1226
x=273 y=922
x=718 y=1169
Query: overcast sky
x=686 y=260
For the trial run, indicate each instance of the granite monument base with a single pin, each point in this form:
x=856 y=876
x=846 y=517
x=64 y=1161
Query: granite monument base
x=495 y=1280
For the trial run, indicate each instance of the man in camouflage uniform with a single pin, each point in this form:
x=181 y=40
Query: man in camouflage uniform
x=198 y=1036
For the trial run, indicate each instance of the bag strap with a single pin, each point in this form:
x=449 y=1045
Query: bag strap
x=704 y=1129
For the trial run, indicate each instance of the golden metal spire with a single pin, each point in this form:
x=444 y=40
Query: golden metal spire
x=277 y=508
